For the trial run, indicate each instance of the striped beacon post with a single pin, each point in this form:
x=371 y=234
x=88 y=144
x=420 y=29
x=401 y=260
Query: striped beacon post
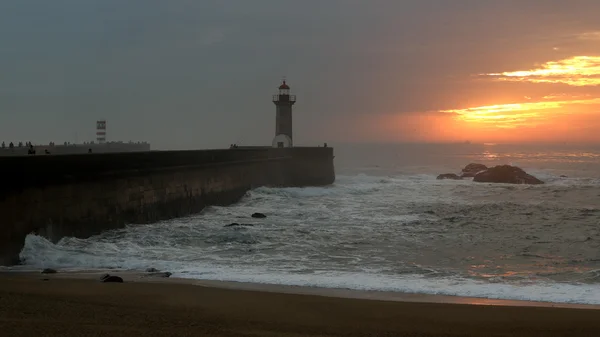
x=101 y=131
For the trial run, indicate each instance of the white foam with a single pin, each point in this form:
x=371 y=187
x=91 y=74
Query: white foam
x=541 y=292
x=301 y=222
x=40 y=253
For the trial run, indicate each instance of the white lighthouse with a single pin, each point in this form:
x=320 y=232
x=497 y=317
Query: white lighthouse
x=283 y=116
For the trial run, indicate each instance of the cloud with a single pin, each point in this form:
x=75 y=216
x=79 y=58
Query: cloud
x=206 y=69
x=565 y=96
x=574 y=71
x=517 y=114
x=593 y=36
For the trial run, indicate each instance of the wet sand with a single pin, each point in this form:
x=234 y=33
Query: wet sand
x=81 y=306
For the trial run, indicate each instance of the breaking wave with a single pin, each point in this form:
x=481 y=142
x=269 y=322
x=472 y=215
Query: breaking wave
x=403 y=232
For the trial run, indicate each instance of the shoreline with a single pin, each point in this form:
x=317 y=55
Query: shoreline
x=79 y=305
x=341 y=293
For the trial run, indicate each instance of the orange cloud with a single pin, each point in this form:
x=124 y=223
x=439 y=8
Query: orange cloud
x=575 y=71
x=593 y=36
x=517 y=114
x=561 y=122
x=539 y=117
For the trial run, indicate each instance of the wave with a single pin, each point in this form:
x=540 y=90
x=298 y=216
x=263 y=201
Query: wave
x=361 y=233
x=40 y=253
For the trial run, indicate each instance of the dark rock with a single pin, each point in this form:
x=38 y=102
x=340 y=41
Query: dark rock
x=506 y=174
x=449 y=176
x=152 y=270
x=259 y=215
x=110 y=279
x=235 y=224
x=472 y=169
x=49 y=271
x=563 y=176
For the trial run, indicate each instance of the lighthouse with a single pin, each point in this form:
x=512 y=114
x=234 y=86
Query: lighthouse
x=101 y=131
x=283 y=116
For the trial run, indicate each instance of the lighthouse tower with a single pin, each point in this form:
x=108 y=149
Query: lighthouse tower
x=101 y=131
x=283 y=116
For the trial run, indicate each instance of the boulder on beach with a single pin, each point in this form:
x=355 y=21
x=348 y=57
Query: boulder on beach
x=506 y=174
x=49 y=271
x=472 y=169
x=448 y=176
x=258 y=215
x=106 y=278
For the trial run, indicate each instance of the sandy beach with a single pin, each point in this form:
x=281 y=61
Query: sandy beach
x=69 y=305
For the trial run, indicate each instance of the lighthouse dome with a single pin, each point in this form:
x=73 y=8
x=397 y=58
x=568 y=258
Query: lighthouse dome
x=284 y=86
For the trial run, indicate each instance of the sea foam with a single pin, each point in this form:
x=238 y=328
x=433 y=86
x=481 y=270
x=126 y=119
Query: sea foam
x=400 y=233
x=40 y=253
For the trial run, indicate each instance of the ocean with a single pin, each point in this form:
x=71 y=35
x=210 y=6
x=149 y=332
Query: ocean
x=387 y=225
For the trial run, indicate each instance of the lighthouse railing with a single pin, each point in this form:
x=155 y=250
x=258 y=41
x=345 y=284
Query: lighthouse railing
x=284 y=98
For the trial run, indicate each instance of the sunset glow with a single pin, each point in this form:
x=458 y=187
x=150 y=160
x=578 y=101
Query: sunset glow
x=517 y=114
x=575 y=71
x=555 y=101
x=548 y=109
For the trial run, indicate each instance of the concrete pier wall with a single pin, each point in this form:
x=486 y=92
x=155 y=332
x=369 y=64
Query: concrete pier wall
x=82 y=195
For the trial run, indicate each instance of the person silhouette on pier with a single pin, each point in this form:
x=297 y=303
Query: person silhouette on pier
x=31 y=150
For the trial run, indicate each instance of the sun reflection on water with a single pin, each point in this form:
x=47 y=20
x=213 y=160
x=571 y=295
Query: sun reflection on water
x=490 y=155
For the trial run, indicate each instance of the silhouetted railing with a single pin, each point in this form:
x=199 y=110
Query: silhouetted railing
x=284 y=98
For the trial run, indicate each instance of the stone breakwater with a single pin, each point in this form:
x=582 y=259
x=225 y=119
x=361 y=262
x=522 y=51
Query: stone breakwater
x=83 y=195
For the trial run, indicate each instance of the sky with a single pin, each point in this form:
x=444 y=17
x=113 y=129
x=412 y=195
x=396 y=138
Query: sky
x=185 y=74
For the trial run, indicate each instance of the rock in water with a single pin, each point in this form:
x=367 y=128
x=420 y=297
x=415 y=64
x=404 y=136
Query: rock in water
x=49 y=271
x=449 y=176
x=110 y=279
x=472 y=169
x=506 y=174
x=152 y=270
x=235 y=224
x=259 y=215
